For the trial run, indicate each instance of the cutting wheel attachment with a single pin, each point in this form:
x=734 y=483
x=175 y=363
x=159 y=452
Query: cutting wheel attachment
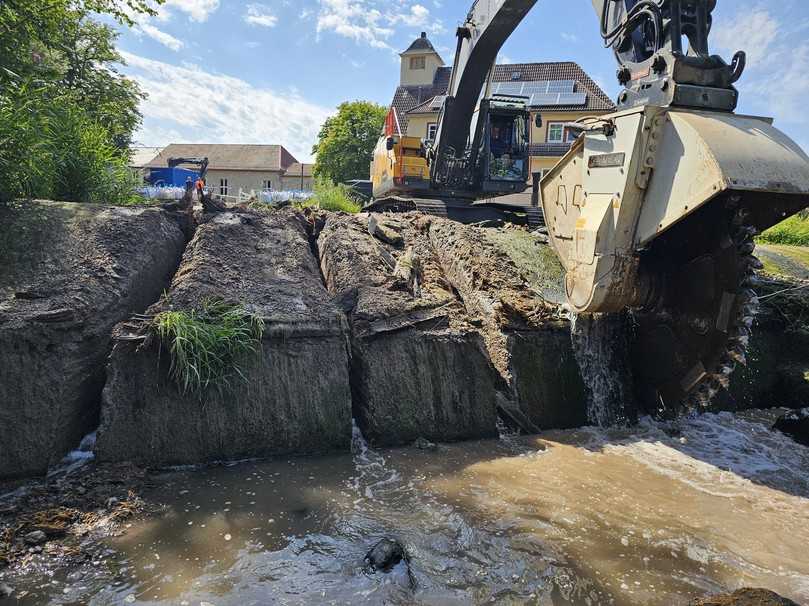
x=689 y=340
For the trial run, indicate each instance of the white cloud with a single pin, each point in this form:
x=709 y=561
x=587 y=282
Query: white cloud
x=372 y=22
x=162 y=37
x=197 y=10
x=757 y=31
x=568 y=37
x=194 y=106
x=776 y=81
x=260 y=14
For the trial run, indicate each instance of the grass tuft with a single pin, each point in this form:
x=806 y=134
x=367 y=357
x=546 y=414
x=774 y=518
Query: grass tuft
x=209 y=345
x=333 y=197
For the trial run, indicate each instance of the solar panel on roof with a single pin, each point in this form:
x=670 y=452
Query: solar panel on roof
x=552 y=99
x=561 y=86
x=544 y=99
x=507 y=88
x=573 y=99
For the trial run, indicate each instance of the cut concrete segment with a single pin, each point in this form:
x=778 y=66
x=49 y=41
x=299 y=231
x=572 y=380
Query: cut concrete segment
x=419 y=369
x=296 y=397
x=510 y=282
x=69 y=273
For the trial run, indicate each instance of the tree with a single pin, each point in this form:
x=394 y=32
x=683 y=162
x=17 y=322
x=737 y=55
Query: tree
x=55 y=42
x=346 y=141
x=66 y=115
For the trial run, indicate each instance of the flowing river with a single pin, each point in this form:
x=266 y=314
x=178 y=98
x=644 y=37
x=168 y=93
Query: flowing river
x=654 y=515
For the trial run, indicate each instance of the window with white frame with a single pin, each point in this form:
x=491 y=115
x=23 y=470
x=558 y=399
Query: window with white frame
x=418 y=62
x=557 y=133
x=267 y=184
x=432 y=130
x=223 y=187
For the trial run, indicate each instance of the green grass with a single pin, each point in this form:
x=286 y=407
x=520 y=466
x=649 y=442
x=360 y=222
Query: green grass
x=793 y=232
x=209 y=345
x=537 y=262
x=337 y=198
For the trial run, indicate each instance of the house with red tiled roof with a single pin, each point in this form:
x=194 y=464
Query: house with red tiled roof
x=561 y=92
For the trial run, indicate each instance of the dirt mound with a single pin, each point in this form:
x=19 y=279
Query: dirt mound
x=70 y=272
x=295 y=396
x=419 y=367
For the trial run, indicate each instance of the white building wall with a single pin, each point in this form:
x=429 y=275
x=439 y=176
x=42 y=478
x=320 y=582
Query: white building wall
x=245 y=180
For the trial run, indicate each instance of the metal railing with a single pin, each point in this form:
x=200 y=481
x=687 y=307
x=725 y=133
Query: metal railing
x=549 y=149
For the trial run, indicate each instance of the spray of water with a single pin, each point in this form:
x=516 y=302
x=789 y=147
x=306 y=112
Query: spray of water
x=602 y=352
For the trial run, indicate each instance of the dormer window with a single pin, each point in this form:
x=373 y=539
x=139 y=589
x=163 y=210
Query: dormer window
x=418 y=62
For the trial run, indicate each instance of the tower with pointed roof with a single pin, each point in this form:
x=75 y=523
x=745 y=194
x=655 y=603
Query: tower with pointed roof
x=419 y=63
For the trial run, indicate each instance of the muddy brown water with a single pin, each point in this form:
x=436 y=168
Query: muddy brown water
x=646 y=516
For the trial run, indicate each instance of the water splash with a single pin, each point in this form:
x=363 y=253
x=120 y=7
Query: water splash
x=76 y=459
x=602 y=351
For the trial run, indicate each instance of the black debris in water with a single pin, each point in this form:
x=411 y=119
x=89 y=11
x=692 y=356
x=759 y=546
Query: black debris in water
x=795 y=424
x=385 y=555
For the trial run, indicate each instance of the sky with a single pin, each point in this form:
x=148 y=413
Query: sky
x=232 y=71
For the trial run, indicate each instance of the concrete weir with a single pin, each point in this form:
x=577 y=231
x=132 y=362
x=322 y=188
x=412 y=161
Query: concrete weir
x=419 y=367
x=295 y=398
x=69 y=273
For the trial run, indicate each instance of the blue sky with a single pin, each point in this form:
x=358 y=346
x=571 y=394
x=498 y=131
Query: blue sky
x=227 y=71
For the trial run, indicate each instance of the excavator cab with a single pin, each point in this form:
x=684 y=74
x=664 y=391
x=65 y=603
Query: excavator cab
x=504 y=153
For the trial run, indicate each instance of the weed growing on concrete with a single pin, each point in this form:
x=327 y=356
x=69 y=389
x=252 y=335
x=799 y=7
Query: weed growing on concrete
x=209 y=345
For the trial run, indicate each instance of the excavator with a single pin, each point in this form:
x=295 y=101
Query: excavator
x=653 y=211
x=205 y=198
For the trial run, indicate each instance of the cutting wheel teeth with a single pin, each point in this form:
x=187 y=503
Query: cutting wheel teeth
x=747 y=322
x=755 y=263
x=746 y=248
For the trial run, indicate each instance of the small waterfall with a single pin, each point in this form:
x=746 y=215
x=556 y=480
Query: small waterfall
x=373 y=474
x=601 y=346
x=76 y=459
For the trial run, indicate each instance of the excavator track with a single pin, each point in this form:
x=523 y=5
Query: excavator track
x=689 y=341
x=463 y=211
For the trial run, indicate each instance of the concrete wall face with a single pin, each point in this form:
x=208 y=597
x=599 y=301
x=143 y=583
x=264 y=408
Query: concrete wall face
x=70 y=273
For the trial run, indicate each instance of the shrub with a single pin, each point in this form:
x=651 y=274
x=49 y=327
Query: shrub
x=209 y=345
x=330 y=196
x=50 y=148
x=794 y=231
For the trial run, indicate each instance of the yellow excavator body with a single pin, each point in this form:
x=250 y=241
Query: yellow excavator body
x=399 y=166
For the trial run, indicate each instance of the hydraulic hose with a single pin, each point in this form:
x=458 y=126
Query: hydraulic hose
x=643 y=10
